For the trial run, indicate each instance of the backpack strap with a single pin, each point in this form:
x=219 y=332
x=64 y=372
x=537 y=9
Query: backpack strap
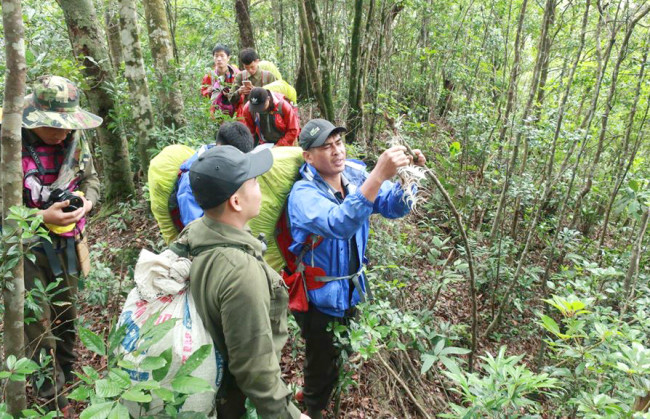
x=201 y=249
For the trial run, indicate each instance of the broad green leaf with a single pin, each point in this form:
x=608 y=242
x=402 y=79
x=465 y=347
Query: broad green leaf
x=115 y=338
x=438 y=348
x=107 y=388
x=427 y=362
x=161 y=373
x=126 y=364
x=190 y=385
x=97 y=411
x=195 y=360
x=155 y=333
x=92 y=341
x=147 y=385
x=452 y=350
x=120 y=377
x=25 y=366
x=119 y=412
x=11 y=362
x=136 y=396
x=153 y=363
x=80 y=393
x=164 y=394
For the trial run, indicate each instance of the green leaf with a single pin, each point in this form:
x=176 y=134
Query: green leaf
x=80 y=393
x=552 y=326
x=25 y=366
x=451 y=365
x=115 y=337
x=452 y=350
x=127 y=364
x=153 y=363
x=161 y=373
x=164 y=394
x=107 y=388
x=190 y=385
x=120 y=377
x=97 y=411
x=4 y=374
x=11 y=362
x=427 y=362
x=136 y=396
x=119 y=412
x=147 y=385
x=151 y=333
x=92 y=341
x=195 y=360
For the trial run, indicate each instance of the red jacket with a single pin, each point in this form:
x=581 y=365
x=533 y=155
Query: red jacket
x=284 y=117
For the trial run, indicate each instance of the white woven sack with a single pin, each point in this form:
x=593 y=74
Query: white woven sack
x=187 y=336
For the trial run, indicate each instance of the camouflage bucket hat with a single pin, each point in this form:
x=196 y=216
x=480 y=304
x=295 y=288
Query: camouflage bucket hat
x=55 y=103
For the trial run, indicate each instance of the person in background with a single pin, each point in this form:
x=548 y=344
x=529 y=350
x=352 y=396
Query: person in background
x=217 y=83
x=271 y=118
x=251 y=77
x=230 y=133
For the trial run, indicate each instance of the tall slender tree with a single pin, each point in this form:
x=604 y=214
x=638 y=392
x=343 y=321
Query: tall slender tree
x=111 y=19
x=136 y=76
x=161 y=49
x=12 y=189
x=243 y=17
x=88 y=44
x=354 y=112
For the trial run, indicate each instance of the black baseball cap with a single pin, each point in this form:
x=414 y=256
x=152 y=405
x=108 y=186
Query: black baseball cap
x=220 y=171
x=257 y=99
x=316 y=132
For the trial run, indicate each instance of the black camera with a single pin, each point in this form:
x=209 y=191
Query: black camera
x=60 y=195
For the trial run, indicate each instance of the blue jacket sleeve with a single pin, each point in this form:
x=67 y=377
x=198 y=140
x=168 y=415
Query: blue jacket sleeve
x=391 y=201
x=312 y=212
x=187 y=205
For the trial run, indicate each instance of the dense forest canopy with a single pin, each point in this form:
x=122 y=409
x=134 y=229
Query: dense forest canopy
x=533 y=117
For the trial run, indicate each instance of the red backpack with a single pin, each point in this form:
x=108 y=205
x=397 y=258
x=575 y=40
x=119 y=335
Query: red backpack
x=298 y=276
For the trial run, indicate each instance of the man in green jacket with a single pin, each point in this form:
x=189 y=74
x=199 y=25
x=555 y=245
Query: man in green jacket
x=241 y=300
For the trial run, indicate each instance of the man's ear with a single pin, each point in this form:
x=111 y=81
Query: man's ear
x=306 y=155
x=234 y=203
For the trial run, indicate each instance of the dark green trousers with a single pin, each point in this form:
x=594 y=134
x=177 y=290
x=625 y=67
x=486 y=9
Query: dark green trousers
x=53 y=329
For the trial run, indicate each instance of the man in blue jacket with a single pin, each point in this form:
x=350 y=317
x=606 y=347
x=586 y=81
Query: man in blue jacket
x=334 y=201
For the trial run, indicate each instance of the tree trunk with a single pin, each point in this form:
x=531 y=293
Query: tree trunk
x=163 y=55
x=354 y=113
x=136 y=76
x=514 y=76
x=111 y=19
x=605 y=118
x=324 y=69
x=556 y=135
x=12 y=190
x=242 y=15
x=628 y=130
x=632 y=271
x=539 y=80
x=88 y=42
x=311 y=65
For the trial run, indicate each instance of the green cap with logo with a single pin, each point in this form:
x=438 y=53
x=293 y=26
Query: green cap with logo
x=316 y=132
x=55 y=103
